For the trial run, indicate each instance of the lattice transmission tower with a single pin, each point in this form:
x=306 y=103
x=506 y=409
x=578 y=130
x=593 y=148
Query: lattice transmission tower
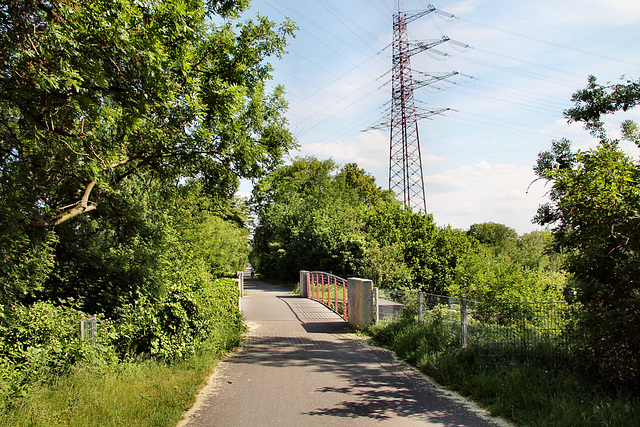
x=405 y=160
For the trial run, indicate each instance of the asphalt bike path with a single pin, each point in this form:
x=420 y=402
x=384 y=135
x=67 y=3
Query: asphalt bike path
x=301 y=365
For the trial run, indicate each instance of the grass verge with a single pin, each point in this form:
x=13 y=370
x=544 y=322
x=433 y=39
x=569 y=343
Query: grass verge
x=526 y=391
x=141 y=393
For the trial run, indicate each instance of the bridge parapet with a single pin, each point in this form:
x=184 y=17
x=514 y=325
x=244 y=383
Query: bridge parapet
x=360 y=299
x=355 y=299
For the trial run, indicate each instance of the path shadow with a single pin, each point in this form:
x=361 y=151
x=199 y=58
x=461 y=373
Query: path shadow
x=372 y=383
x=377 y=385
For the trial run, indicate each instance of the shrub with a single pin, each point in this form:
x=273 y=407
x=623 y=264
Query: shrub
x=188 y=315
x=40 y=341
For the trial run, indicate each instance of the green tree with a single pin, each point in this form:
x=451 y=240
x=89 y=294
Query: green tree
x=315 y=215
x=498 y=236
x=363 y=184
x=307 y=219
x=595 y=210
x=97 y=97
x=428 y=254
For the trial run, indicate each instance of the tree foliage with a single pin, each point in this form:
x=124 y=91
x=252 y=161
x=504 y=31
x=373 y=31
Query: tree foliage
x=595 y=210
x=490 y=233
x=91 y=94
x=104 y=104
x=315 y=215
x=124 y=129
x=306 y=220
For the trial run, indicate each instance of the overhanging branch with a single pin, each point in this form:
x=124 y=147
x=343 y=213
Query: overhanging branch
x=83 y=206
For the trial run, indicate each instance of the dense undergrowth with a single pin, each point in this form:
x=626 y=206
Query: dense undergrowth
x=144 y=368
x=527 y=390
x=120 y=160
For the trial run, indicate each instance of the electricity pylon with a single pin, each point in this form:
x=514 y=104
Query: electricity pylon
x=405 y=160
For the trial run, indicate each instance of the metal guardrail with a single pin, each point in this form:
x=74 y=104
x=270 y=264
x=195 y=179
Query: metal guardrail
x=330 y=290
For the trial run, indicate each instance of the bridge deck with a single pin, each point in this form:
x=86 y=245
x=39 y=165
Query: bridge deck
x=301 y=365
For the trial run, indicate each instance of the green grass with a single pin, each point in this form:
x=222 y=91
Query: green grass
x=143 y=393
x=526 y=391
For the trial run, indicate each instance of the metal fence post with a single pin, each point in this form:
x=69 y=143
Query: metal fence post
x=419 y=306
x=377 y=304
x=463 y=321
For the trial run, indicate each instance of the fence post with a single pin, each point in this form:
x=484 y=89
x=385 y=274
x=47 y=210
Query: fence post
x=94 y=329
x=463 y=321
x=376 y=295
x=240 y=282
x=240 y=276
x=419 y=306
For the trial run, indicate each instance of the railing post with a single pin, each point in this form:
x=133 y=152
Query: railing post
x=420 y=297
x=314 y=278
x=463 y=321
x=344 y=300
x=335 y=293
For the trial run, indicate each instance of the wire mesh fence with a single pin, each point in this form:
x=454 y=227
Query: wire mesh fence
x=87 y=329
x=496 y=328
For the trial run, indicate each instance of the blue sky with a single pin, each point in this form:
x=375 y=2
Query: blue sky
x=515 y=80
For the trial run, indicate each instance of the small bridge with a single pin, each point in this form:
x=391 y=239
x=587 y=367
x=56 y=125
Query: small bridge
x=355 y=300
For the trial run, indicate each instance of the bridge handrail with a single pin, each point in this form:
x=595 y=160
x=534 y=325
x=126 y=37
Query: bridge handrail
x=316 y=291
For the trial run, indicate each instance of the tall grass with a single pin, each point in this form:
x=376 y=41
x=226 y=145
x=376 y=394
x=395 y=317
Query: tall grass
x=526 y=390
x=137 y=393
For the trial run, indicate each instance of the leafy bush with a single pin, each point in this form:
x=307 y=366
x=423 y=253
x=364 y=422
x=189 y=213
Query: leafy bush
x=487 y=277
x=594 y=210
x=187 y=316
x=40 y=341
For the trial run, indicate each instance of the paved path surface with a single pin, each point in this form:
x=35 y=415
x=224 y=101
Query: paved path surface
x=301 y=365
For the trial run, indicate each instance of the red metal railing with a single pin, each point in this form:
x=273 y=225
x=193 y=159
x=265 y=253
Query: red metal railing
x=327 y=289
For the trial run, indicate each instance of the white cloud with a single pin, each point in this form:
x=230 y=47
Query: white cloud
x=370 y=150
x=589 y=12
x=620 y=11
x=485 y=192
x=563 y=127
x=465 y=6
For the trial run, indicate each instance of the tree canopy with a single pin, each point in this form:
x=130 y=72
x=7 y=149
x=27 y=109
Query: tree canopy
x=125 y=127
x=316 y=215
x=120 y=118
x=93 y=93
x=595 y=211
